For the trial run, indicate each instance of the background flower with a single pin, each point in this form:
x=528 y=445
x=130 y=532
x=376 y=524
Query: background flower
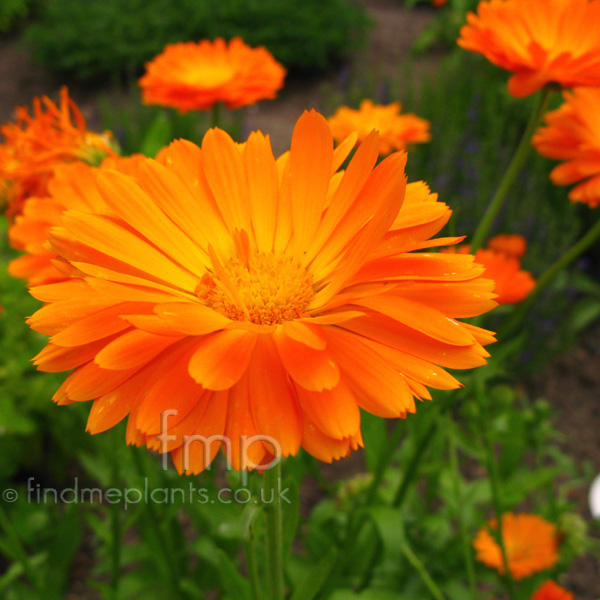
x=195 y=76
x=549 y=590
x=219 y=265
x=572 y=134
x=530 y=542
x=396 y=131
x=540 y=41
x=36 y=143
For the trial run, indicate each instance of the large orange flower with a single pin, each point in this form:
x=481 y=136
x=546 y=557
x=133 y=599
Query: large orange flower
x=36 y=143
x=572 y=134
x=530 y=542
x=550 y=590
x=396 y=131
x=540 y=41
x=72 y=186
x=258 y=297
x=189 y=76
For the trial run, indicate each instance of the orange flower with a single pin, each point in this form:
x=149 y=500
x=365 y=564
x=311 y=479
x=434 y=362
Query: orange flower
x=396 y=131
x=572 y=134
x=530 y=542
x=551 y=591
x=189 y=76
x=512 y=283
x=71 y=187
x=540 y=41
x=511 y=244
x=36 y=143
x=502 y=264
x=258 y=297
x=439 y=2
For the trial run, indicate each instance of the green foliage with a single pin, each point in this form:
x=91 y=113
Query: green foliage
x=114 y=38
x=13 y=12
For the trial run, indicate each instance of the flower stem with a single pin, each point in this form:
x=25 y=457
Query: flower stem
x=419 y=567
x=562 y=263
x=466 y=546
x=162 y=549
x=274 y=531
x=492 y=469
x=511 y=172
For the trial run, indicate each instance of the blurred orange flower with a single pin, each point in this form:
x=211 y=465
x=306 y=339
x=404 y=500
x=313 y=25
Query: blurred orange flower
x=195 y=76
x=551 y=591
x=439 y=2
x=572 y=134
x=396 y=131
x=219 y=265
x=502 y=264
x=511 y=244
x=36 y=143
x=71 y=187
x=530 y=542
x=540 y=41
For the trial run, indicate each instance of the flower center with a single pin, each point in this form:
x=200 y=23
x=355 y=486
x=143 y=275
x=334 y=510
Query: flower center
x=208 y=75
x=268 y=289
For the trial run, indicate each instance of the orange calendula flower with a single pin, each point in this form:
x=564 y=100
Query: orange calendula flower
x=540 y=41
x=72 y=186
x=550 y=590
x=530 y=542
x=502 y=264
x=511 y=244
x=396 y=131
x=37 y=142
x=195 y=76
x=248 y=296
x=572 y=134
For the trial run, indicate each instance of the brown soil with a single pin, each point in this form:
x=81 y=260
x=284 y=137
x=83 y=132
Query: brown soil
x=570 y=384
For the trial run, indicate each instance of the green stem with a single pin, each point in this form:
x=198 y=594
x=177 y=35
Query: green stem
x=419 y=567
x=511 y=172
x=492 y=469
x=465 y=542
x=252 y=568
x=115 y=518
x=411 y=469
x=549 y=275
x=163 y=551
x=274 y=531
x=18 y=549
x=217 y=115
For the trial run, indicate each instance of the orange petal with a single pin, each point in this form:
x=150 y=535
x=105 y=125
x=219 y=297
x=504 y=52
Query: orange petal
x=222 y=358
x=314 y=370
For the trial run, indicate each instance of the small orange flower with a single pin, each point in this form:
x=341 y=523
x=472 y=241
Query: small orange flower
x=36 y=143
x=572 y=134
x=551 y=591
x=195 y=76
x=396 y=131
x=540 y=41
x=258 y=297
x=502 y=264
x=530 y=542
x=71 y=187
x=511 y=244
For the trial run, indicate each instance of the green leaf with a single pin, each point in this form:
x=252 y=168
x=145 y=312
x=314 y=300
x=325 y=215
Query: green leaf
x=235 y=584
x=313 y=582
